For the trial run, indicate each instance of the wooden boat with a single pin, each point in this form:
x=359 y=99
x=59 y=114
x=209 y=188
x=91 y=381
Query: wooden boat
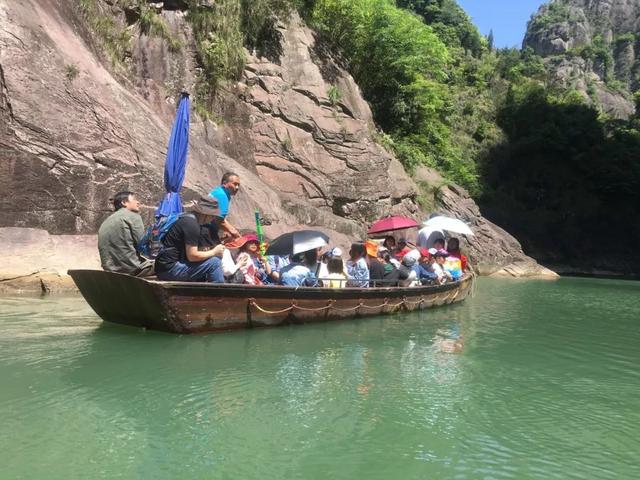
x=194 y=307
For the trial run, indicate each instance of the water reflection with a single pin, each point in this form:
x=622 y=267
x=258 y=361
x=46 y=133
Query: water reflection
x=288 y=389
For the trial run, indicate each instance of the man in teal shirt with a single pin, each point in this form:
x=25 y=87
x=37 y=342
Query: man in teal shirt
x=229 y=186
x=118 y=238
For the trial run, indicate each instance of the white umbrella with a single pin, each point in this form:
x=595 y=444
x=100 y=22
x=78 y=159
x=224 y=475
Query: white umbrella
x=297 y=242
x=450 y=224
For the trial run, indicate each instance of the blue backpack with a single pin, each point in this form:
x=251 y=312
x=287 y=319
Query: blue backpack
x=150 y=244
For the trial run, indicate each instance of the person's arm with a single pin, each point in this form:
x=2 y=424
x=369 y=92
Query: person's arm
x=273 y=264
x=266 y=266
x=426 y=273
x=229 y=267
x=190 y=230
x=195 y=255
x=230 y=229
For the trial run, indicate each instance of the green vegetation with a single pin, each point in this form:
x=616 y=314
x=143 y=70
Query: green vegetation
x=450 y=22
x=71 y=72
x=334 y=95
x=152 y=24
x=222 y=30
x=554 y=14
x=219 y=44
x=406 y=72
x=114 y=37
x=601 y=53
x=565 y=179
x=625 y=38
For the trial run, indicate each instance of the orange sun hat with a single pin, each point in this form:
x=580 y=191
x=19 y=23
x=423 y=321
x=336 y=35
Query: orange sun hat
x=372 y=248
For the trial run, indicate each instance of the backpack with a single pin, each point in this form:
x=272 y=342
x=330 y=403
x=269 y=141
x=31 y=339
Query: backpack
x=150 y=244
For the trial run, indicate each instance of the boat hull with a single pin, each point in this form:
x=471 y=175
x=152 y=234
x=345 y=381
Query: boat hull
x=194 y=307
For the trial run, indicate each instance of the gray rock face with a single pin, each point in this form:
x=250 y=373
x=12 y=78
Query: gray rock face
x=75 y=128
x=589 y=44
x=309 y=146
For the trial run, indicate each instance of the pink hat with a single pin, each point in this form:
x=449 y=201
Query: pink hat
x=251 y=238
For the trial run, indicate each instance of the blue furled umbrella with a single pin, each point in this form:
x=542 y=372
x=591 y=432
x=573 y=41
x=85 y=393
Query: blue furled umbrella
x=176 y=162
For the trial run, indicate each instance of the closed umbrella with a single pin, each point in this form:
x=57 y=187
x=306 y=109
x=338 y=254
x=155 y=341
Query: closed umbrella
x=390 y=224
x=176 y=161
x=297 y=242
x=449 y=224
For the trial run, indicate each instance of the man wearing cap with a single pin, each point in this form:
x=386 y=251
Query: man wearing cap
x=229 y=186
x=180 y=258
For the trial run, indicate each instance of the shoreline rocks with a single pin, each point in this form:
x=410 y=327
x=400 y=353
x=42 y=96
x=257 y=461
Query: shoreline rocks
x=37 y=262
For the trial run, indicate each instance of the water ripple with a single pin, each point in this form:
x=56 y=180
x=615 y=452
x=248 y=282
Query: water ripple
x=529 y=380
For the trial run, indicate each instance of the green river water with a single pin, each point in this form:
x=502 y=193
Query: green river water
x=546 y=386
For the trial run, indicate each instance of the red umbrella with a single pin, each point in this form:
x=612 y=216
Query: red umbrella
x=390 y=224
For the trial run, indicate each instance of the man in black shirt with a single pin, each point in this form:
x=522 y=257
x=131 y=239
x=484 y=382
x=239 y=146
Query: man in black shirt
x=180 y=259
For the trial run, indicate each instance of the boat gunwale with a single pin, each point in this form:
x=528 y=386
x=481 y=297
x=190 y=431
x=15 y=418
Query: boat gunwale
x=280 y=291
x=174 y=306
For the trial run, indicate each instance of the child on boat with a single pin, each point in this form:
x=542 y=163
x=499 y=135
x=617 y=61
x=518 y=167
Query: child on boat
x=255 y=268
x=336 y=277
x=438 y=266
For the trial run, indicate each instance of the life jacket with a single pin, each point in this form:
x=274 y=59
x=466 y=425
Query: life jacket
x=150 y=244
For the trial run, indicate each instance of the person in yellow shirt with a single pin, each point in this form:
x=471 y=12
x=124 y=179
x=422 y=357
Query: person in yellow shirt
x=336 y=277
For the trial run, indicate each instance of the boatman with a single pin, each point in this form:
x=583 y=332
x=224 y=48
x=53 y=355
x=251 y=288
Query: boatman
x=229 y=186
x=180 y=258
x=119 y=235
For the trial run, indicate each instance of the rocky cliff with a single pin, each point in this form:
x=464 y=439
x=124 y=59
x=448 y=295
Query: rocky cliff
x=591 y=46
x=86 y=106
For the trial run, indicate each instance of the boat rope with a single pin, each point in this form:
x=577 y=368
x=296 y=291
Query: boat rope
x=253 y=303
x=331 y=305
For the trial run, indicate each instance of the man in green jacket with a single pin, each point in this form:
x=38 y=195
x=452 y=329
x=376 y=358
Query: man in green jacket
x=118 y=238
